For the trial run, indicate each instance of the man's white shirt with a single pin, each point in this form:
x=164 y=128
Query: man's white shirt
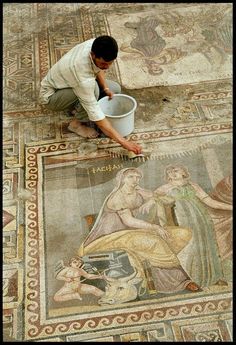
x=75 y=70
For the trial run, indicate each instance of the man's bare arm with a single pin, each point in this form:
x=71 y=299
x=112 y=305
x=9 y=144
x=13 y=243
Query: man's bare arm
x=103 y=85
x=108 y=130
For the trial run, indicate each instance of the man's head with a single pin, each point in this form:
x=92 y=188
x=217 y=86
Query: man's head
x=104 y=51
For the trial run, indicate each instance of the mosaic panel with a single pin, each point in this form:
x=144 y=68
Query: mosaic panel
x=20 y=61
x=206 y=330
x=10 y=185
x=13 y=219
x=12 y=286
x=9 y=325
x=30 y=51
x=183 y=106
x=162 y=42
x=44 y=164
x=12 y=148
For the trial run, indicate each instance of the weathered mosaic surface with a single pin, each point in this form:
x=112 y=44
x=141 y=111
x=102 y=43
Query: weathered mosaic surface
x=174 y=46
x=57 y=175
x=54 y=186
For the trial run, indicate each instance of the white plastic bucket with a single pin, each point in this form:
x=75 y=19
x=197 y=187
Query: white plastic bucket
x=120 y=112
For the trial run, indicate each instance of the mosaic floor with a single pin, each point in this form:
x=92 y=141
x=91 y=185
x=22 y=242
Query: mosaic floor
x=54 y=185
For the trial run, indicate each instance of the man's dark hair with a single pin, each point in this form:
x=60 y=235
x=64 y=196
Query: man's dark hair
x=105 y=47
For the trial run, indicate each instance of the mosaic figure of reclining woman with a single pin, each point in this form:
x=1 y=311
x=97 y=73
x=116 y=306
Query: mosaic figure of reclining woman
x=117 y=226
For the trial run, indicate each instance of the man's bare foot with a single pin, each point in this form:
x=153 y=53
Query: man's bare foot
x=193 y=287
x=83 y=131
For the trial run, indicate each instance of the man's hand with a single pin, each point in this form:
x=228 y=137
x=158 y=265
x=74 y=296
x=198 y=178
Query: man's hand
x=131 y=146
x=109 y=93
